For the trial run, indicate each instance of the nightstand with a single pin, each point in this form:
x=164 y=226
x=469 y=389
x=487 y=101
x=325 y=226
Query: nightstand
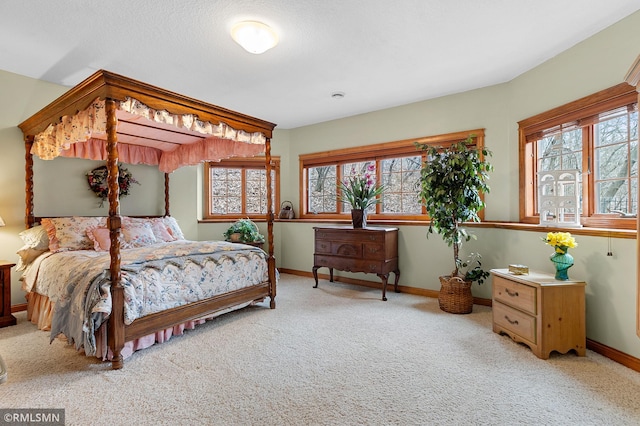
x=541 y=312
x=6 y=318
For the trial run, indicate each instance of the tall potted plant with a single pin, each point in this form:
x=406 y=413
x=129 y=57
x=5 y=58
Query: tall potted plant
x=452 y=181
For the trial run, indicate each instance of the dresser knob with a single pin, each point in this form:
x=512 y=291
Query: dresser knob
x=510 y=293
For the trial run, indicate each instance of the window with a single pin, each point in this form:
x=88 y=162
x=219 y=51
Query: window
x=397 y=166
x=237 y=188
x=596 y=135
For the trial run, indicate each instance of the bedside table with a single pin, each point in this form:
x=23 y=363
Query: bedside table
x=6 y=318
x=543 y=313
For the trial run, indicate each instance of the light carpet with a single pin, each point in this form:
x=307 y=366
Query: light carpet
x=334 y=355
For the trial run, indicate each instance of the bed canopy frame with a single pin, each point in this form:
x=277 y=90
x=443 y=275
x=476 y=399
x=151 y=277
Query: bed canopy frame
x=115 y=118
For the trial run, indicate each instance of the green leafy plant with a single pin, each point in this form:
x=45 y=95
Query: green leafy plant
x=471 y=268
x=247 y=230
x=452 y=181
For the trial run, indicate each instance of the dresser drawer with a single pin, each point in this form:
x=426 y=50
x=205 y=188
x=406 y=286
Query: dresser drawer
x=350 y=265
x=374 y=251
x=323 y=246
x=346 y=249
x=514 y=294
x=515 y=321
x=349 y=235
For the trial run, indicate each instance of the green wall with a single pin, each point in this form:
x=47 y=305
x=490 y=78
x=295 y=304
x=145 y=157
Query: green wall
x=597 y=63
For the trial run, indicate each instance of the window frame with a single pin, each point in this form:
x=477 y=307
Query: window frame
x=249 y=163
x=377 y=153
x=584 y=108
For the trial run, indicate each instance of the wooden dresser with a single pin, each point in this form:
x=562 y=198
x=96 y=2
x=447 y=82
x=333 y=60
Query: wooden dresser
x=5 y=294
x=541 y=312
x=372 y=250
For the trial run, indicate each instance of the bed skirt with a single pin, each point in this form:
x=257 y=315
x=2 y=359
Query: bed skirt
x=40 y=313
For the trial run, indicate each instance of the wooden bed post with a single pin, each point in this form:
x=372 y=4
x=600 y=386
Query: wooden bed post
x=29 y=218
x=271 y=261
x=167 y=212
x=116 y=320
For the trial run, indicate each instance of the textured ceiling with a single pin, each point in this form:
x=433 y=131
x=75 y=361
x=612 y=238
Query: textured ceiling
x=380 y=53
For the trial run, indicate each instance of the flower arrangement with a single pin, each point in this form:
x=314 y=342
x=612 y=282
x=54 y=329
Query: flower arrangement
x=97 y=179
x=561 y=241
x=360 y=191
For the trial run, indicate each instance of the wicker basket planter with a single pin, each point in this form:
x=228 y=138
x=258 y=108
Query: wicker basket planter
x=455 y=295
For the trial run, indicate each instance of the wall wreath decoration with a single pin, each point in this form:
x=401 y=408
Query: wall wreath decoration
x=97 y=179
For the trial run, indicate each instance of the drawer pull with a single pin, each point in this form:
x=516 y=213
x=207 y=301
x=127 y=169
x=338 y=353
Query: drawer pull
x=506 y=290
x=514 y=322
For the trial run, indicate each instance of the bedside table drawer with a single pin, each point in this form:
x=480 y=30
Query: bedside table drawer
x=514 y=294
x=515 y=321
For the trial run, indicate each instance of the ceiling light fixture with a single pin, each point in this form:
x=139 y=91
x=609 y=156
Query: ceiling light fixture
x=254 y=37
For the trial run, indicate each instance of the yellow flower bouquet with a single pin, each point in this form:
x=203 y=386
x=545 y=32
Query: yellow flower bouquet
x=561 y=241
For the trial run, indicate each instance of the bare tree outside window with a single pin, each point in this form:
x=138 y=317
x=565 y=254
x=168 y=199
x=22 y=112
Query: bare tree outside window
x=612 y=159
x=596 y=135
x=322 y=189
x=400 y=177
x=226 y=191
x=616 y=169
x=395 y=166
x=237 y=188
x=256 y=191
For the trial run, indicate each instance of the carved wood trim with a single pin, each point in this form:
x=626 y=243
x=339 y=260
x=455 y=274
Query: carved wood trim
x=167 y=212
x=116 y=325
x=28 y=168
x=271 y=261
x=107 y=85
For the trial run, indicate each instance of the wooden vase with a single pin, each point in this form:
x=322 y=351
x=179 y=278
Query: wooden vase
x=359 y=218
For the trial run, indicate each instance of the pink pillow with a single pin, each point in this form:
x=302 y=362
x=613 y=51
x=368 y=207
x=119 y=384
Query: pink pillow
x=173 y=227
x=161 y=232
x=160 y=229
x=138 y=234
x=70 y=233
x=100 y=238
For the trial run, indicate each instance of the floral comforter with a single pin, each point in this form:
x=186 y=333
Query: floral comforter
x=155 y=278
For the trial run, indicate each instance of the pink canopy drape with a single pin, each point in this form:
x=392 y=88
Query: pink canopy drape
x=192 y=141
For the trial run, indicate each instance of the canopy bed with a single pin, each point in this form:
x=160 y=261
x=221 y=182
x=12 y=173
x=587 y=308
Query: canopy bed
x=114 y=118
